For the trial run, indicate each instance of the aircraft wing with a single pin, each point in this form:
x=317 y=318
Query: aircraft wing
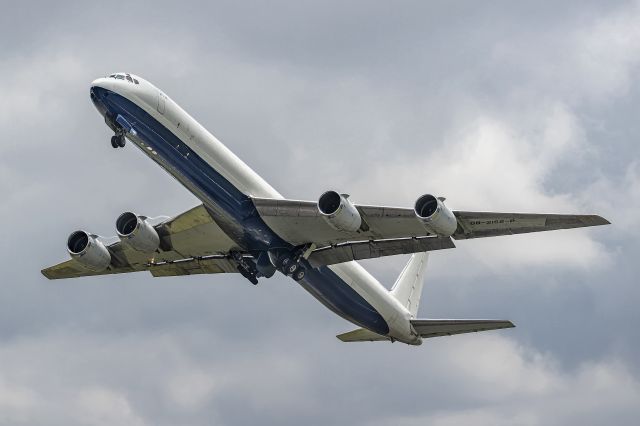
x=300 y=222
x=190 y=243
x=487 y=224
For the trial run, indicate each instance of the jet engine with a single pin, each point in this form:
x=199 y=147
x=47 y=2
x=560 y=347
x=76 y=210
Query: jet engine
x=137 y=233
x=339 y=212
x=436 y=217
x=88 y=251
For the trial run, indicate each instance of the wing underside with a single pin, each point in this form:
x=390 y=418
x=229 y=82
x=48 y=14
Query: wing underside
x=190 y=243
x=388 y=231
x=487 y=224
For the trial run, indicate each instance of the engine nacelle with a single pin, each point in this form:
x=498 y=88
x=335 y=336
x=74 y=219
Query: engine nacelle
x=88 y=251
x=339 y=212
x=437 y=217
x=137 y=233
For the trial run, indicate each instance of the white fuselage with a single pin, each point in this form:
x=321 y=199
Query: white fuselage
x=223 y=189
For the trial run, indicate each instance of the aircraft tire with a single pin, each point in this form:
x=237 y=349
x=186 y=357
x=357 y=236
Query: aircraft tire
x=299 y=274
x=114 y=141
x=291 y=268
x=284 y=261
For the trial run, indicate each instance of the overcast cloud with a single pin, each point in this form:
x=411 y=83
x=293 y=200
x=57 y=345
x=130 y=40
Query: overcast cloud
x=495 y=105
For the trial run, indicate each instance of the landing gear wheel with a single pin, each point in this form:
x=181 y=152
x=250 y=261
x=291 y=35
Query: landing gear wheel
x=114 y=141
x=285 y=261
x=299 y=274
x=291 y=269
x=121 y=141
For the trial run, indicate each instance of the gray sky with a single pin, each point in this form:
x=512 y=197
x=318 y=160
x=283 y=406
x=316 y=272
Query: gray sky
x=496 y=105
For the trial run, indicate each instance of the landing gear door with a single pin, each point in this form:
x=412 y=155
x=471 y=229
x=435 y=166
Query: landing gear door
x=162 y=99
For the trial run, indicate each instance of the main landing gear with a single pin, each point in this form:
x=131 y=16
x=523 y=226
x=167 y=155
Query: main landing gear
x=118 y=140
x=290 y=265
x=265 y=265
x=246 y=267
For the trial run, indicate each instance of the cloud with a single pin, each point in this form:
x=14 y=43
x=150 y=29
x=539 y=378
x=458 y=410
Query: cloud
x=484 y=378
x=98 y=406
x=506 y=383
x=618 y=197
x=30 y=95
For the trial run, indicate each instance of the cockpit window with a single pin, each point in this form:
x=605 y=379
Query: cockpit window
x=120 y=76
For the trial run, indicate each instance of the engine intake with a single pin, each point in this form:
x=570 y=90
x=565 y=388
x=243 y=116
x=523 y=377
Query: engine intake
x=137 y=233
x=436 y=217
x=339 y=212
x=87 y=250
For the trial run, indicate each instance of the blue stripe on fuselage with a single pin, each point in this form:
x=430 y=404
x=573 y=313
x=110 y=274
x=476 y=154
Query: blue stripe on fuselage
x=233 y=210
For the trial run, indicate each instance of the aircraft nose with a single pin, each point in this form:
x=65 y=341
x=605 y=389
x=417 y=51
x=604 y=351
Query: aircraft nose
x=102 y=83
x=99 y=87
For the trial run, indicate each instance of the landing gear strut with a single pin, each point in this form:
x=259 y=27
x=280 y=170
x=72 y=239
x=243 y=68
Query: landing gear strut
x=246 y=268
x=248 y=274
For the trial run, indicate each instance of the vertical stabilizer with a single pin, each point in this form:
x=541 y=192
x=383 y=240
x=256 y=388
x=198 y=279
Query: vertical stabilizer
x=408 y=286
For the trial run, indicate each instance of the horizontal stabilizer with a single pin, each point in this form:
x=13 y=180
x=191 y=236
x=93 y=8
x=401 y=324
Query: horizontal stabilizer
x=447 y=327
x=361 y=335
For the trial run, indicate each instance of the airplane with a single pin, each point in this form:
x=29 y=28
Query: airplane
x=243 y=225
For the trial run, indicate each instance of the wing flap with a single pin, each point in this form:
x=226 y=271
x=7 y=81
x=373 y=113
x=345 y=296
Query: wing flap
x=360 y=250
x=189 y=266
x=73 y=269
x=213 y=265
x=446 y=327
